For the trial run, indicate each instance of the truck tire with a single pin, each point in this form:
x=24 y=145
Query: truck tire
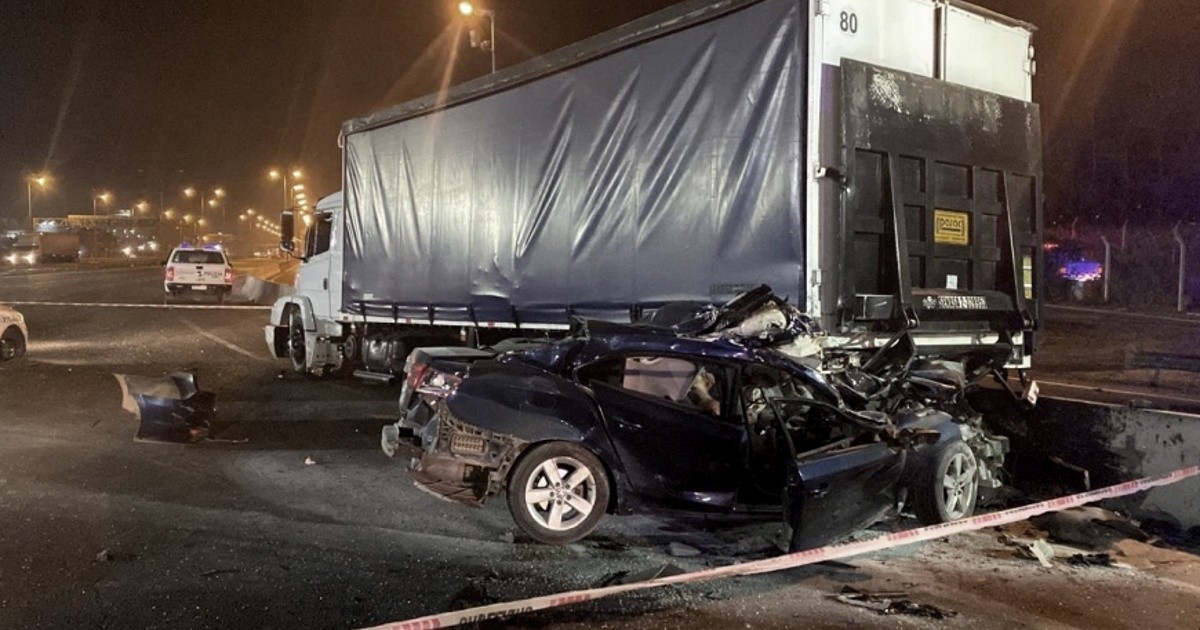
x=558 y=493
x=352 y=348
x=296 y=348
x=948 y=487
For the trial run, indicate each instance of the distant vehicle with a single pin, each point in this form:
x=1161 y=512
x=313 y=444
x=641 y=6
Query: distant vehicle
x=1070 y=270
x=193 y=270
x=23 y=254
x=32 y=249
x=733 y=418
x=879 y=163
x=14 y=335
x=60 y=247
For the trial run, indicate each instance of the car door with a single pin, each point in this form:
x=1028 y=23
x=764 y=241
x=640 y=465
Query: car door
x=673 y=445
x=834 y=491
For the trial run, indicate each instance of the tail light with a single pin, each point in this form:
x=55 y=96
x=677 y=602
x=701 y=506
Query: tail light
x=228 y=275
x=416 y=373
x=170 y=274
x=439 y=384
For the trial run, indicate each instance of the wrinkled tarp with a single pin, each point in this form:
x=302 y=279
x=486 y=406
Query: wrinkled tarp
x=666 y=170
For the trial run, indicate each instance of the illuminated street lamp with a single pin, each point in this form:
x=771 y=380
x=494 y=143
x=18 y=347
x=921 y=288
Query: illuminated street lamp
x=142 y=206
x=41 y=180
x=468 y=9
x=103 y=198
x=275 y=174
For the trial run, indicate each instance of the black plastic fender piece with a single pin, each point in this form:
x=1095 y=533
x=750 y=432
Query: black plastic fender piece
x=173 y=409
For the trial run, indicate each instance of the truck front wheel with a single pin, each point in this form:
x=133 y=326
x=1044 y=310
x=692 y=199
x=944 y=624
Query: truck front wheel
x=297 y=351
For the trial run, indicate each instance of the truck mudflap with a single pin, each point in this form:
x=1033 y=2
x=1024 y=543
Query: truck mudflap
x=941 y=216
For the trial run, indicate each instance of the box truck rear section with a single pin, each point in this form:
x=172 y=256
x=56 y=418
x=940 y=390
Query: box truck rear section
x=925 y=188
x=689 y=155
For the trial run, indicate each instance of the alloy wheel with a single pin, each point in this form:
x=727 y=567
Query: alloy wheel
x=959 y=485
x=560 y=494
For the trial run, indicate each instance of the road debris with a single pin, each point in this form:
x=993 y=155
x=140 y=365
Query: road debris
x=212 y=572
x=1091 y=527
x=108 y=556
x=169 y=409
x=631 y=577
x=309 y=461
x=890 y=603
x=680 y=550
x=1039 y=550
x=1091 y=560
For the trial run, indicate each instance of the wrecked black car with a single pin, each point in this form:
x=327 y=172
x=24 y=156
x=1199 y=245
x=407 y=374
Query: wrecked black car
x=710 y=409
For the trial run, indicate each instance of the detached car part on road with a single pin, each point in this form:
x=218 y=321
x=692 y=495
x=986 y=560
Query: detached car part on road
x=710 y=409
x=14 y=335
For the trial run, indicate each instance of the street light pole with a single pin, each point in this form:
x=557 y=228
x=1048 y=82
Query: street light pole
x=491 y=16
x=29 y=194
x=40 y=180
x=276 y=173
x=466 y=8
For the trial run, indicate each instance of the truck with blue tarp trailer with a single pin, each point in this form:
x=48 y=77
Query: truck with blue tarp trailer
x=877 y=162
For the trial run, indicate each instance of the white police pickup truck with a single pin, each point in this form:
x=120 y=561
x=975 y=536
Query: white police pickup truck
x=198 y=271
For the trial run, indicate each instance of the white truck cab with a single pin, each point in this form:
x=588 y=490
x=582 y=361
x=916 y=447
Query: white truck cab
x=305 y=326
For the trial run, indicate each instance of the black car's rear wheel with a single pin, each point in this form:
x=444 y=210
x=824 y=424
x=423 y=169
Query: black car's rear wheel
x=558 y=493
x=948 y=486
x=12 y=345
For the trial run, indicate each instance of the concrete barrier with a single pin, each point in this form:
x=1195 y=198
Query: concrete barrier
x=253 y=289
x=1113 y=443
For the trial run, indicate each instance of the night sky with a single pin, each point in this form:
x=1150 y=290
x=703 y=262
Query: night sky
x=139 y=97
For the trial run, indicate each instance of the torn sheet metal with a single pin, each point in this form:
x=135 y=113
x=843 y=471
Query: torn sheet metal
x=169 y=409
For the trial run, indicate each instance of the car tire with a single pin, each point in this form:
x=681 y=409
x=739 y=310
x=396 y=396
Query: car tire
x=947 y=488
x=221 y=298
x=297 y=350
x=558 y=492
x=12 y=345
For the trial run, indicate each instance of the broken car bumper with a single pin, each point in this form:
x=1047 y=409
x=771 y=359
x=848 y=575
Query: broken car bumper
x=458 y=461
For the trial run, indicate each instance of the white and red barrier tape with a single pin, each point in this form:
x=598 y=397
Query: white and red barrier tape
x=823 y=554
x=194 y=307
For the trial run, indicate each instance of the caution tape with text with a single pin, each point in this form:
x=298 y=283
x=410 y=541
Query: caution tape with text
x=801 y=558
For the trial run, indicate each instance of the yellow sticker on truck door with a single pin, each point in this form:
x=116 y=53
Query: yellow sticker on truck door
x=951 y=228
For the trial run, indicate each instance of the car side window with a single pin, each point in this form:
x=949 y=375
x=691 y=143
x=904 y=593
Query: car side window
x=681 y=381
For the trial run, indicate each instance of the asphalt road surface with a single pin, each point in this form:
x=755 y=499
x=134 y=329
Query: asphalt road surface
x=99 y=531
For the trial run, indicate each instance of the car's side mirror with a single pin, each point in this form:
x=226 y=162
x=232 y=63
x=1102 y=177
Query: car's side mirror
x=287 y=230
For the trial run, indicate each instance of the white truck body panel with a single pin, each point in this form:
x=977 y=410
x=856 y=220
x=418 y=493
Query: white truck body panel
x=987 y=54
